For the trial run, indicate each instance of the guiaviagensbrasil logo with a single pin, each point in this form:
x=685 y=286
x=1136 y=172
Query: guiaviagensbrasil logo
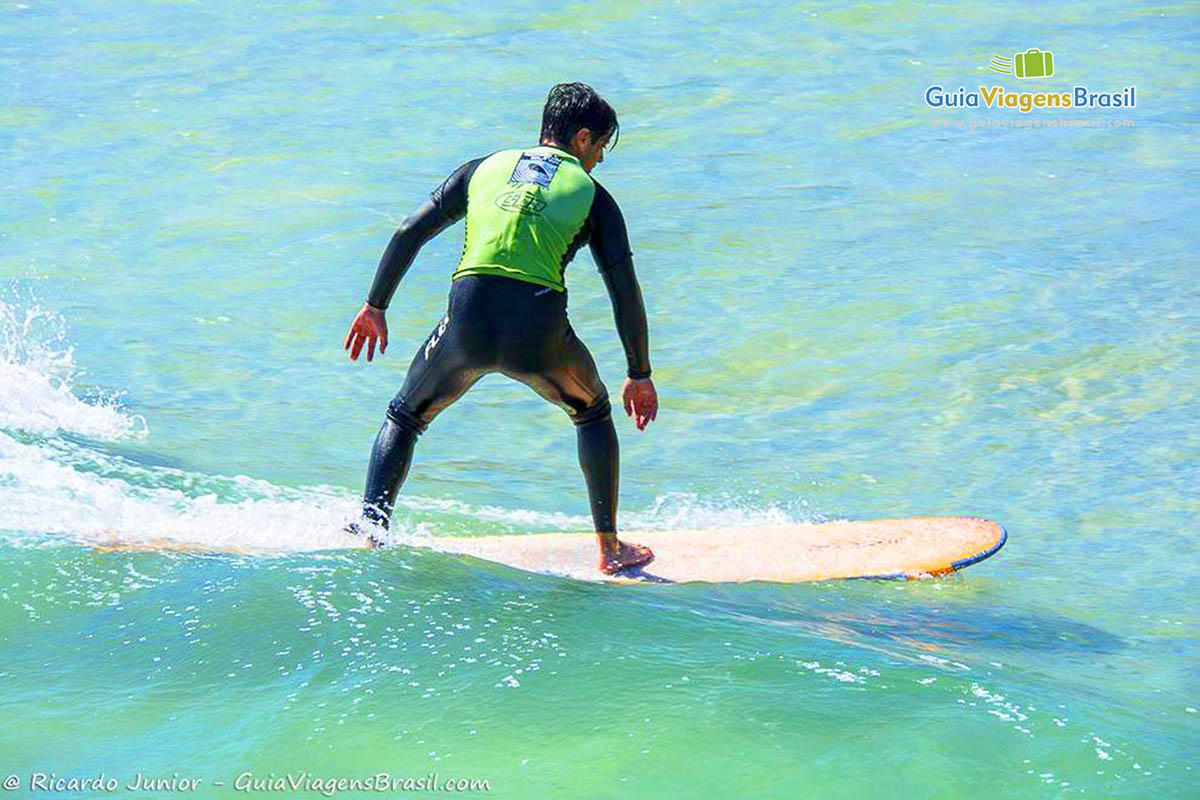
x=1033 y=63
x=1030 y=63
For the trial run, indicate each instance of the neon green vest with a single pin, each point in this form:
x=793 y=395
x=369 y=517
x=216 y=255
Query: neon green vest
x=524 y=208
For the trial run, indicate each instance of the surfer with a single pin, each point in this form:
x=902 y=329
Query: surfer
x=528 y=211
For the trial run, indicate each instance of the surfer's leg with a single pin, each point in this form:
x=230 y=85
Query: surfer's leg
x=450 y=361
x=560 y=369
x=566 y=375
x=391 y=456
x=600 y=459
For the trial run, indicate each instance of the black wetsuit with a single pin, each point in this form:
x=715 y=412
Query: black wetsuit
x=501 y=318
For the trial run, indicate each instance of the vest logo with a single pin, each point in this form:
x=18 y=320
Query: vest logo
x=521 y=202
x=536 y=168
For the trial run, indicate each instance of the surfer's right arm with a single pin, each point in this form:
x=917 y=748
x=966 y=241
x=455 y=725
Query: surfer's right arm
x=609 y=242
x=446 y=205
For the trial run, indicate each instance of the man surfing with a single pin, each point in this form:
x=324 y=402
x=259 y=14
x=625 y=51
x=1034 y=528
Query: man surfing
x=528 y=212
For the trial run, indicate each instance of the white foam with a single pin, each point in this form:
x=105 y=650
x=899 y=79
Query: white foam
x=670 y=511
x=675 y=510
x=59 y=487
x=37 y=375
x=516 y=518
x=41 y=496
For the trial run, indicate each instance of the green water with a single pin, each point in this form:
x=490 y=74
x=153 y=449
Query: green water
x=854 y=313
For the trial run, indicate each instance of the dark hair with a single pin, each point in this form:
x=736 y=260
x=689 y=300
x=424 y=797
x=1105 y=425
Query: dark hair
x=571 y=106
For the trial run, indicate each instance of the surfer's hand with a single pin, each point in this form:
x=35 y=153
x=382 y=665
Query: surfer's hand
x=640 y=400
x=368 y=326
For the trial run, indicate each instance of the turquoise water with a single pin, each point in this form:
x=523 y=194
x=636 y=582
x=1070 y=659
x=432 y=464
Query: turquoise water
x=854 y=314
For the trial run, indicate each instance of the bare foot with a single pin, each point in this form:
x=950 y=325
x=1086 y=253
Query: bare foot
x=626 y=555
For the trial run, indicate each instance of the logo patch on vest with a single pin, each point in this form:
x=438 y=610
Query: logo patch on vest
x=536 y=168
x=521 y=202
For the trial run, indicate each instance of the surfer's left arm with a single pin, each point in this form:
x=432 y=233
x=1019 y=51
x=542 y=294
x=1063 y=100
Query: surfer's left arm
x=609 y=243
x=446 y=205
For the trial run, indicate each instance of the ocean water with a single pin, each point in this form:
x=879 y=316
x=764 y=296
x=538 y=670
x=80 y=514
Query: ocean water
x=855 y=312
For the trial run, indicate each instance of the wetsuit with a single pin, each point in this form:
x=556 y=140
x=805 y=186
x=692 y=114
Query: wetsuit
x=527 y=213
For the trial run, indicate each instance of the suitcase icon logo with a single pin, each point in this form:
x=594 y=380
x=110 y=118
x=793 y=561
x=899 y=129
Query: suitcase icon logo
x=1033 y=63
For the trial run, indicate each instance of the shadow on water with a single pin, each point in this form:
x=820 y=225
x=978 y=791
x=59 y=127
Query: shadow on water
x=915 y=633
x=1042 y=633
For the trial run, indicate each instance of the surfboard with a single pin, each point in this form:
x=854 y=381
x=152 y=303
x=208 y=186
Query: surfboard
x=895 y=549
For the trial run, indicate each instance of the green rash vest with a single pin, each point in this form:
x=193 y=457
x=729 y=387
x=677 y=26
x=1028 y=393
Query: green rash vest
x=524 y=209
x=527 y=213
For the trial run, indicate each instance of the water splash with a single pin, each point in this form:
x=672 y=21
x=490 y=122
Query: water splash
x=38 y=376
x=51 y=485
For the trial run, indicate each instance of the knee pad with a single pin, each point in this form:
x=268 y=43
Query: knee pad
x=399 y=413
x=597 y=411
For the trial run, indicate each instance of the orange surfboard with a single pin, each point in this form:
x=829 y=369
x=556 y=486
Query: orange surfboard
x=789 y=553
x=882 y=548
